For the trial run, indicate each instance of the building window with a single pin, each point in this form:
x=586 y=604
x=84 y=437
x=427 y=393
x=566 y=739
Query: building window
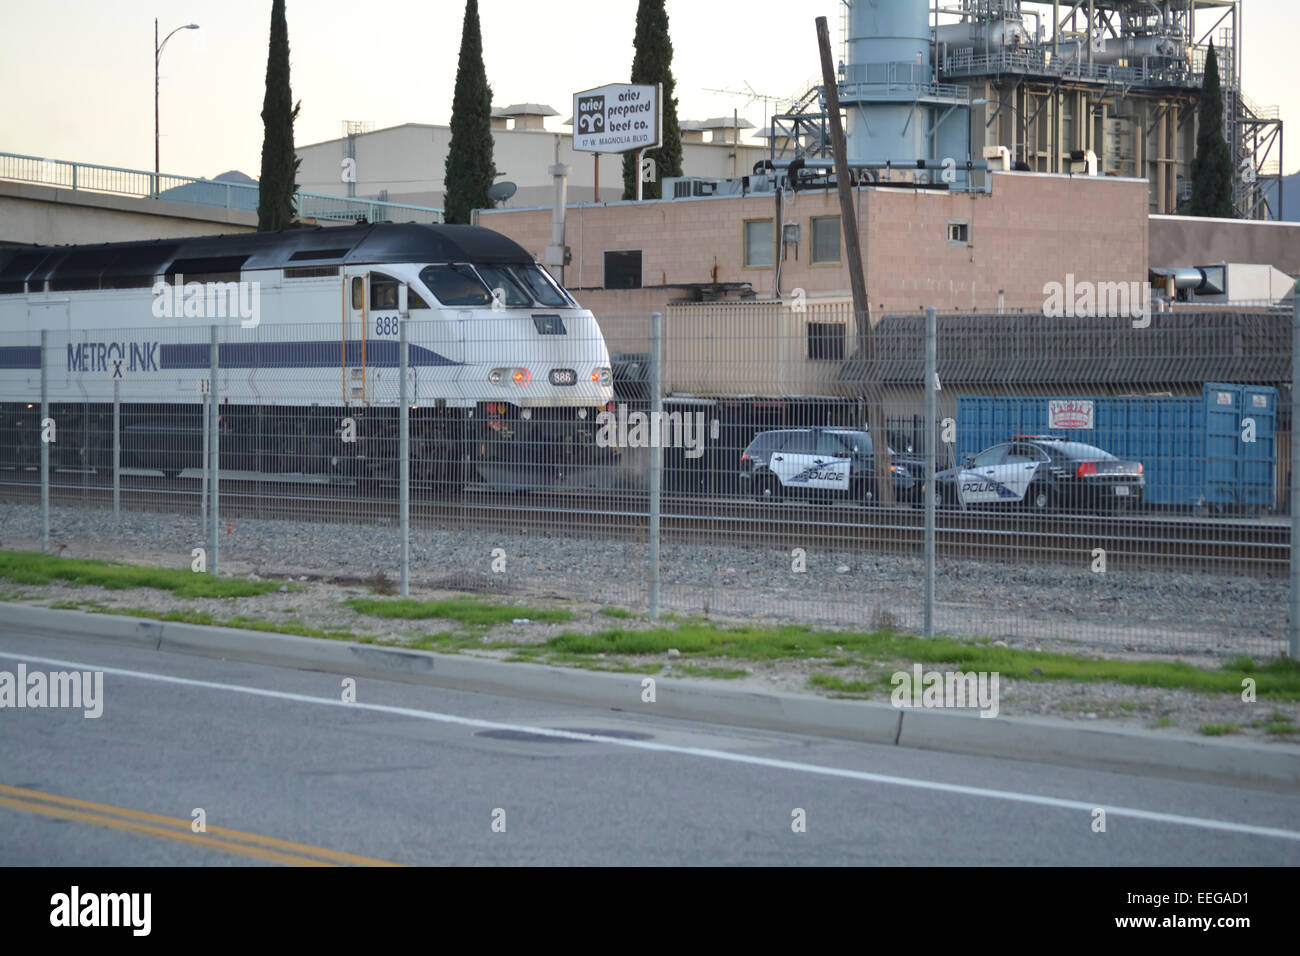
x=623 y=269
x=825 y=341
x=760 y=252
x=958 y=231
x=825 y=240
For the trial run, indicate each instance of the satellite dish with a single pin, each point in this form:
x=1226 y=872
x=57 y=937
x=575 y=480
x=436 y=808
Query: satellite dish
x=500 y=192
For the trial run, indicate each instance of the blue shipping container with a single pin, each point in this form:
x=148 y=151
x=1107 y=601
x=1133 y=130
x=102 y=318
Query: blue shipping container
x=1218 y=449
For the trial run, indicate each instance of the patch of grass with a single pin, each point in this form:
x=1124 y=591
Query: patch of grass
x=1165 y=722
x=457 y=640
x=1219 y=730
x=1278 y=679
x=1278 y=723
x=618 y=612
x=29 y=567
x=722 y=673
x=834 y=682
x=463 y=609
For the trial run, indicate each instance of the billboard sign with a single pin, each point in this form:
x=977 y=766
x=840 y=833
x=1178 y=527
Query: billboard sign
x=617 y=118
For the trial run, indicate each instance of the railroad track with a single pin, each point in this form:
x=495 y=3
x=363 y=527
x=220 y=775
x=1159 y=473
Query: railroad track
x=1130 y=541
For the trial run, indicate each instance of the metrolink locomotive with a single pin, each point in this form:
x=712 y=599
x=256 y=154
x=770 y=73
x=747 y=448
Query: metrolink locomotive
x=506 y=372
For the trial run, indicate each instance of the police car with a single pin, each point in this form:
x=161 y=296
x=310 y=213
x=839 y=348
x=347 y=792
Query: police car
x=1043 y=472
x=821 y=462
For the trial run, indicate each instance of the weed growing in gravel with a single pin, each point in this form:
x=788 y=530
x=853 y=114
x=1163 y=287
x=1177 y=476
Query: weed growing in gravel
x=616 y=612
x=1218 y=730
x=833 y=682
x=28 y=567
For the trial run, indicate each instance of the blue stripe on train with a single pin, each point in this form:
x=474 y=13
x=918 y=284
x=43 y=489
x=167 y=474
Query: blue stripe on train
x=20 y=357
x=379 y=353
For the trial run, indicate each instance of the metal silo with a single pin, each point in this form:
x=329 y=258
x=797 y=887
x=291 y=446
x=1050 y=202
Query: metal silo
x=888 y=90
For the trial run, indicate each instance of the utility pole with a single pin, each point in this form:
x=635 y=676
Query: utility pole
x=865 y=358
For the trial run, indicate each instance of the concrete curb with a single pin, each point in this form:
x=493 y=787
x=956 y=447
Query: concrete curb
x=1236 y=763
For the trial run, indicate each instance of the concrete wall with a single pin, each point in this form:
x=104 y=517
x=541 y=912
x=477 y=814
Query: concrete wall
x=409 y=162
x=1192 y=241
x=1032 y=229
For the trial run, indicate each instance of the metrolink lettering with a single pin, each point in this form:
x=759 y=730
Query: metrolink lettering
x=100 y=356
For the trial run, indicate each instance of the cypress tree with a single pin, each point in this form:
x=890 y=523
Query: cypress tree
x=278 y=181
x=652 y=64
x=469 y=169
x=1212 y=171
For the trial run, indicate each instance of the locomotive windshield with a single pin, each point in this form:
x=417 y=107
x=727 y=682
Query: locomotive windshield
x=521 y=285
x=499 y=277
x=455 y=285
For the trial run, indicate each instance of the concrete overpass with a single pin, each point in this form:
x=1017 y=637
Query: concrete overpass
x=57 y=202
x=49 y=215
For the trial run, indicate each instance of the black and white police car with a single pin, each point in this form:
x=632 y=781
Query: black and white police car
x=1043 y=472
x=822 y=462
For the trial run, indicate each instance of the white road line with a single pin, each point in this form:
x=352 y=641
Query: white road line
x=705 y=752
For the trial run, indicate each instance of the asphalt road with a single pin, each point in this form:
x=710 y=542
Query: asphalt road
x=286 y=772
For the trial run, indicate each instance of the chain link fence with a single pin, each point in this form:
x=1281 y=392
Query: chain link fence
x=1116 y=483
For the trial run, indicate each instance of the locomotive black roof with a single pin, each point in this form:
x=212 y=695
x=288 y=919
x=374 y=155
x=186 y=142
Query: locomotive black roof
x=332 y=245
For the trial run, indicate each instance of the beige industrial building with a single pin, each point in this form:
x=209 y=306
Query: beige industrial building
x=404 y=164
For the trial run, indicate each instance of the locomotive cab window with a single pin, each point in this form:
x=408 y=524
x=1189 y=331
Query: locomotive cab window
x=455 y=285
x=383 y=291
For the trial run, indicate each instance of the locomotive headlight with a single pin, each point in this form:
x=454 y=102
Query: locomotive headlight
x=510 y=376
x=601 y=376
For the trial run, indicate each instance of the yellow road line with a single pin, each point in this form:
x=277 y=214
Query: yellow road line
x=218 y=838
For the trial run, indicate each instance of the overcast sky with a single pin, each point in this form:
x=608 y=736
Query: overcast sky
x=78 y=74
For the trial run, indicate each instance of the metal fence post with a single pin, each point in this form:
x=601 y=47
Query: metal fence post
x=214 y=450
x=45 y=445
x=1295 y=475
x=207 y=458
x=931 y=413
x=404 y=437
x=656 y=454
x=117 y=449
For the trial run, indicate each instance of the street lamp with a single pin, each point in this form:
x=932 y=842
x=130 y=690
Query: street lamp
x=157 y=55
